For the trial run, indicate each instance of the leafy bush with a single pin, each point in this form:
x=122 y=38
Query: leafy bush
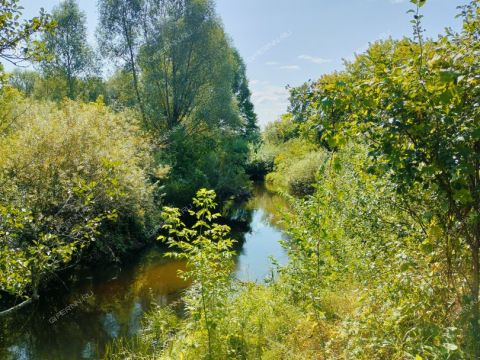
x=63 y=171
x=259 y=323
x=203 y=159
x=303 y=174
x=356 y=232
x=414 y=103
x=262 y=161
x=296 y=167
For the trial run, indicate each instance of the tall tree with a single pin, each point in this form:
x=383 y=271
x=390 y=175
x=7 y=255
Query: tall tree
x=196 y=96
x=118 y=35
x=73 y=57
x=185 y=61
x=251 y=131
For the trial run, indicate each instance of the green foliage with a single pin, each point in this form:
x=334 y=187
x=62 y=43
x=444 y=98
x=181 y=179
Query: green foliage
x=118 y=94
x=414 y=102
x=396 y=215
x=176 y=66
x=366 y=279
x=262 y=158
x=72 y=56
x=46 y=87
x=34 y=246
x=8 y=97
x=357 y=232
x=296 y=168
x=251 y=131
x=281 y=131
x=261 y=161
x=119 y=35
x=159 y=326
x=196 y=93
x=64 y=171
x=24 y=81
x=203 y=158
x=381 y=162
x=225 y=319
x=187 y=69
x=16 y=36
x=259 y=323
x=209 y=264
x=384 y=234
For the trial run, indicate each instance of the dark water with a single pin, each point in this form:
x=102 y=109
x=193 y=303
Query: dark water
x=76 y=320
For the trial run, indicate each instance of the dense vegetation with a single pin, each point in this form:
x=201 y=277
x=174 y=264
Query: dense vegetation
x=87 y=161
x=380 y=163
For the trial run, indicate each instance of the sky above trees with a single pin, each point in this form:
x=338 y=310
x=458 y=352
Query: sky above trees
x=276 y=37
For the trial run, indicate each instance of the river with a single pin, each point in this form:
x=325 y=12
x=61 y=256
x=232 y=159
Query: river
x=94 y=306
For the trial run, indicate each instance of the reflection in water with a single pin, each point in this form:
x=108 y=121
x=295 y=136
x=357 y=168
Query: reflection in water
x=111 y=326
x=118 y=297
x=135 y=319
x=260 y=244
x=260 y=241
x=89 y=351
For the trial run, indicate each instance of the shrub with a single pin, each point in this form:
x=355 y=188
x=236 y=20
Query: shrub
x=296 y=166
x=204 y=159
x=262 y=161
x=209 y=257
x=357 y=232
x=303 y=174
x=63 y=171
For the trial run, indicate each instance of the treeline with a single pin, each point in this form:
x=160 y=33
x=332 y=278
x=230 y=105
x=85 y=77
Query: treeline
x=87 y=161
x=381 y=163
x=174 y=64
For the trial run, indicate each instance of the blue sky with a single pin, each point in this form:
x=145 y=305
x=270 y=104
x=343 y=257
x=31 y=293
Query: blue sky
x=287 y=42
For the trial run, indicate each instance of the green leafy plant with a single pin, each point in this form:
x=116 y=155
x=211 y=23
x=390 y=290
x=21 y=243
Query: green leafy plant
x=209 y=257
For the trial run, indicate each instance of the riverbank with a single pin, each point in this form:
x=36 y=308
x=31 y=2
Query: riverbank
x=99 y=304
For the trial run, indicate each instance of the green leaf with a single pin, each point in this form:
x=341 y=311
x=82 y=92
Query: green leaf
x=448 y=76
x=463 y=195
x=420 y=3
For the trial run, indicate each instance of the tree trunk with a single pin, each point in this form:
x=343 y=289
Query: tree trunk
x=136 y=85
x=133 y=68
x=71 y=87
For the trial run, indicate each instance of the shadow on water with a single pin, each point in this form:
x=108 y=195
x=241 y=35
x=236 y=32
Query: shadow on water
x=83 y=313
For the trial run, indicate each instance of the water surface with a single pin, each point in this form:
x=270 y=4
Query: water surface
x=85 y=312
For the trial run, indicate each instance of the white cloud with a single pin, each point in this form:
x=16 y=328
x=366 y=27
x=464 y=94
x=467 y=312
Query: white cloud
x=257 y=83
x=313 y=59
x=271 y=63
x=289 y=67
x=270 y=100
x=269 y=94
x=397 y=1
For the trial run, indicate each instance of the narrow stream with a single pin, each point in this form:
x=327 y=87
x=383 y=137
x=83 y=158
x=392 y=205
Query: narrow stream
x=78 y=319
